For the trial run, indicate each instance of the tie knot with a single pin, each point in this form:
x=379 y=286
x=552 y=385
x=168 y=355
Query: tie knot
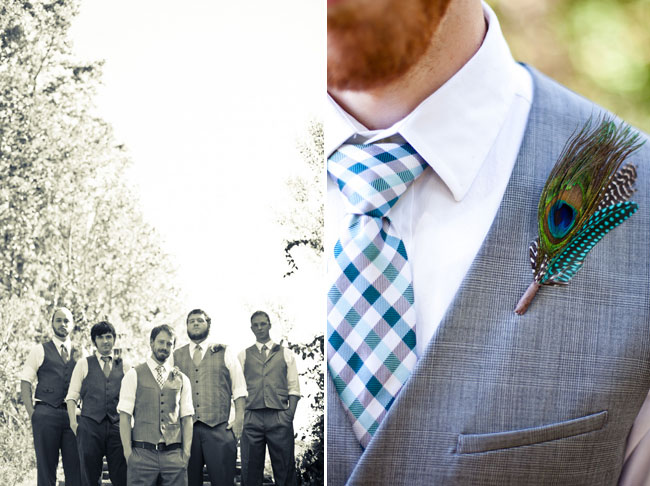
x=198 y=348
x=374 y=176
x=106 y=359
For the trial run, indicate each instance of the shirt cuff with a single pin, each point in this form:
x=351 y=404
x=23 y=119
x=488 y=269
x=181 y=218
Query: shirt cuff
x=126 y=406
x=73 y=396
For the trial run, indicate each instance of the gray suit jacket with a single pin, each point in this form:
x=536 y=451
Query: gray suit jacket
x=544 y=398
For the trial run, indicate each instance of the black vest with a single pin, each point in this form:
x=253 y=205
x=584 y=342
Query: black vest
x=99 y=394
x=53 y=376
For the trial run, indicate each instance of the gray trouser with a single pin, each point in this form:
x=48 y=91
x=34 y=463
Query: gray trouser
x=150 y=468
x=274 y=428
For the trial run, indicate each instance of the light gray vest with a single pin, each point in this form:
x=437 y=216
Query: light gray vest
x=266 y=379
x=544 y=398
x=156 y=414
x=211 y=387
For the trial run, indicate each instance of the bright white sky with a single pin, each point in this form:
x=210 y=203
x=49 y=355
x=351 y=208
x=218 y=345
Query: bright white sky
x=210 y=97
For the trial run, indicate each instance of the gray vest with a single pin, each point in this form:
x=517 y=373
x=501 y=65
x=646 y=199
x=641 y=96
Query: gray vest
x=544 y=398
x=157 y=412
x=266 y=379
x=100 y=394
x=53 y=375
x=211 y=387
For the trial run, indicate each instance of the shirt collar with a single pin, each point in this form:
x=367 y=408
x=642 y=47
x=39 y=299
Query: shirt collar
x=58 y=342
x=100 y=356
x=455 y=127
x=269 y=345
x=153 y=365
x=204 y=345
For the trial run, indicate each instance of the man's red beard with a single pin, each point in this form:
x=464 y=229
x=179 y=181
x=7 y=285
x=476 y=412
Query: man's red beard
x=371 y=43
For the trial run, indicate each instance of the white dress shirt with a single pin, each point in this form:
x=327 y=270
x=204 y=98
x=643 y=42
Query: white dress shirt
x=36 y=357
x=238 y=383
x=130 y=385
x=292 y=369
x=80 y=372
x=469 y=132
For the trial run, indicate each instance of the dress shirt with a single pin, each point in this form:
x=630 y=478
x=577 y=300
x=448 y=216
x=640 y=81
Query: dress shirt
x=238 y=383
x=130 y=384
x=289 y=358
x=469 y=132
x=37 y=355
x=79 y=374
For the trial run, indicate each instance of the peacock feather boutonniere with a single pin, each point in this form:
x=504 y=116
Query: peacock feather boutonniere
x=216 y=347
x=585 y=196
x=174 y=373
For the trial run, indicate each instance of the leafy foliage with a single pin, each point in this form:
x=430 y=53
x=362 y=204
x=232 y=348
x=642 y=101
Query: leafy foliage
x=303 y=224
x=304 y=221
x=311 y=464
x=597 y=48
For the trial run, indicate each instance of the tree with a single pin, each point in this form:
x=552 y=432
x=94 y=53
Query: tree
x=303 y=222
x=70 y=225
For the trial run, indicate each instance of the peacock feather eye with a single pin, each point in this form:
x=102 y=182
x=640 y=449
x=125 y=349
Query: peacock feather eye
x=561 y=218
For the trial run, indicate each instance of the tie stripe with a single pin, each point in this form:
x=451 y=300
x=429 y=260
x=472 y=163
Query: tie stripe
x=371 y=319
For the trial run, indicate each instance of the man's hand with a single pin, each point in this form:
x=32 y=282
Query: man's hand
x=237 y=426
x=73 y=426
x=127 y=453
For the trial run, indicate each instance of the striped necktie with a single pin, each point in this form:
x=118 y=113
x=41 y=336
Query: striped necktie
x=371 y=318
x=64 y=353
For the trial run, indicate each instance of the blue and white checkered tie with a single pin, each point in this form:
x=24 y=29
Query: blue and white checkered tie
x=371 y=318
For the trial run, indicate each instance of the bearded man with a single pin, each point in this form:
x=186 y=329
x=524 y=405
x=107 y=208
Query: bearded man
x=432 y=377
x=50 y=365
x=216 y=377
x=156 y=417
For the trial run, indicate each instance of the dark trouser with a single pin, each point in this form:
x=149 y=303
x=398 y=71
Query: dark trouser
x=156 y=468
x=273 y=428
x=94 y=441
x=216 y=447
x=52 y=432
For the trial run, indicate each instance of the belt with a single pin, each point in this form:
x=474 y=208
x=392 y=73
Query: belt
x=63 y=405
x=161 y=446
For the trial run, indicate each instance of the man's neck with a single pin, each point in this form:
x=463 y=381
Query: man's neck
x=153 y=357
x=457 y=39
x=59 y=339
x=264 y=342
x=198 y=341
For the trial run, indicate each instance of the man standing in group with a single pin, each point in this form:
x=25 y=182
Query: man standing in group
x=158 y=399
x=216 y=376
x=51 y=365
x=96 y=382
x=273 y=393
x=438 y=146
